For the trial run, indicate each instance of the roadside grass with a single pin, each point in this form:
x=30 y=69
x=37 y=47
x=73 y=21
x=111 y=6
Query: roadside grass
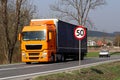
x=96 y=54
x=115 y=53
x=92 y=54
x=108 y=71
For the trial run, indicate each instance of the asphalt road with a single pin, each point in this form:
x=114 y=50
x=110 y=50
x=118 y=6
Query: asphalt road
x=22 y=71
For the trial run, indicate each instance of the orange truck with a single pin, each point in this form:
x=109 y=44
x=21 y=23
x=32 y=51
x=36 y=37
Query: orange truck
x=50 y=40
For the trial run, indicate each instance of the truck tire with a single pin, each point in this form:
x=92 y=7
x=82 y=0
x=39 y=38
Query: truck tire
x=28 y=62
x=82 y=57
x=63 y=58
x=76 y=58
x=52 y=58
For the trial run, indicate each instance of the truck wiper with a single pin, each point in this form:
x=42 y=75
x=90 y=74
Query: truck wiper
x=26 y=39
x=38 y=39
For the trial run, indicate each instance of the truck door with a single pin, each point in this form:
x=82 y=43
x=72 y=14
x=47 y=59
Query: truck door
x=52 y=41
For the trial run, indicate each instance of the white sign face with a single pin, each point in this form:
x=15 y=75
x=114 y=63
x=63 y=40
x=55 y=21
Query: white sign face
x=79 y=32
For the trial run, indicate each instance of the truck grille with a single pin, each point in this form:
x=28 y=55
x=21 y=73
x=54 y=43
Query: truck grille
x=33 y=58
x=33 y=47
x=33 y=54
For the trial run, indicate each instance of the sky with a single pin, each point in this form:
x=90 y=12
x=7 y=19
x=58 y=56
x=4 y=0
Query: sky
x=105 y=18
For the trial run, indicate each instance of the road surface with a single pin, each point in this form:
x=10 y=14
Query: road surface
x=23 y=71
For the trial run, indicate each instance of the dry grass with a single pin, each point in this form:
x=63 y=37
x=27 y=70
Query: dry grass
x=110 y=71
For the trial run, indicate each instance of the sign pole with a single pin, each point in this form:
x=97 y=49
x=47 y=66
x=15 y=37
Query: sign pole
x=80 y=33
x=79 y=54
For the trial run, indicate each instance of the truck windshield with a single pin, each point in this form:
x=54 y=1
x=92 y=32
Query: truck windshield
x=34 y=35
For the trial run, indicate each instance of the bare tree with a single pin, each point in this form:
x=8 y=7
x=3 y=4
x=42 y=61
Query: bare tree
x=17 y=22
x=5 y=26
x=11 y=24
x=117 y=40
x=77 y=10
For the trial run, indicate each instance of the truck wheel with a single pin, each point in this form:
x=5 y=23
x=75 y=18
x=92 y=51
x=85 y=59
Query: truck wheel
x=82 y=57
x=76 y=58
x=52 y=58
x=63 y=59
x=28 y=62
x=99 y=56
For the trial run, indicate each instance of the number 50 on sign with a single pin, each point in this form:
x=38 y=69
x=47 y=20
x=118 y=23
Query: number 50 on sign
x=79 y=32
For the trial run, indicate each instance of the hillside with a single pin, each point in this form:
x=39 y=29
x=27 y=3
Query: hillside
x=101 y=34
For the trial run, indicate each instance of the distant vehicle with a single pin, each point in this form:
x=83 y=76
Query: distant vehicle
x=104 y=53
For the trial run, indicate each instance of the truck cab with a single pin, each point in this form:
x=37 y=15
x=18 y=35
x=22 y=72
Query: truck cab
x=38 y=42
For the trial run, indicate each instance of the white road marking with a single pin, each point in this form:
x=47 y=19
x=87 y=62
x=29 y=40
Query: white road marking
x=11 y=64
x=22 y=67
x=58 y=70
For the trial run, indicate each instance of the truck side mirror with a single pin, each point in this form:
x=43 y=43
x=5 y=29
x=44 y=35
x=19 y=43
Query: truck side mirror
x=19 y=36
x=50 y=35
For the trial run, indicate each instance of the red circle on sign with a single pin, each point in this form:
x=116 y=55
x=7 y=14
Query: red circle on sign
x=80 y=32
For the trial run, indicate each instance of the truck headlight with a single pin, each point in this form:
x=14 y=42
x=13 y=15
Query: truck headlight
x=44 y=54
x=24 y=54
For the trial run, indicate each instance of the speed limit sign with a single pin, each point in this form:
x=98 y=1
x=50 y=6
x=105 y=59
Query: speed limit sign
x=79 y=32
